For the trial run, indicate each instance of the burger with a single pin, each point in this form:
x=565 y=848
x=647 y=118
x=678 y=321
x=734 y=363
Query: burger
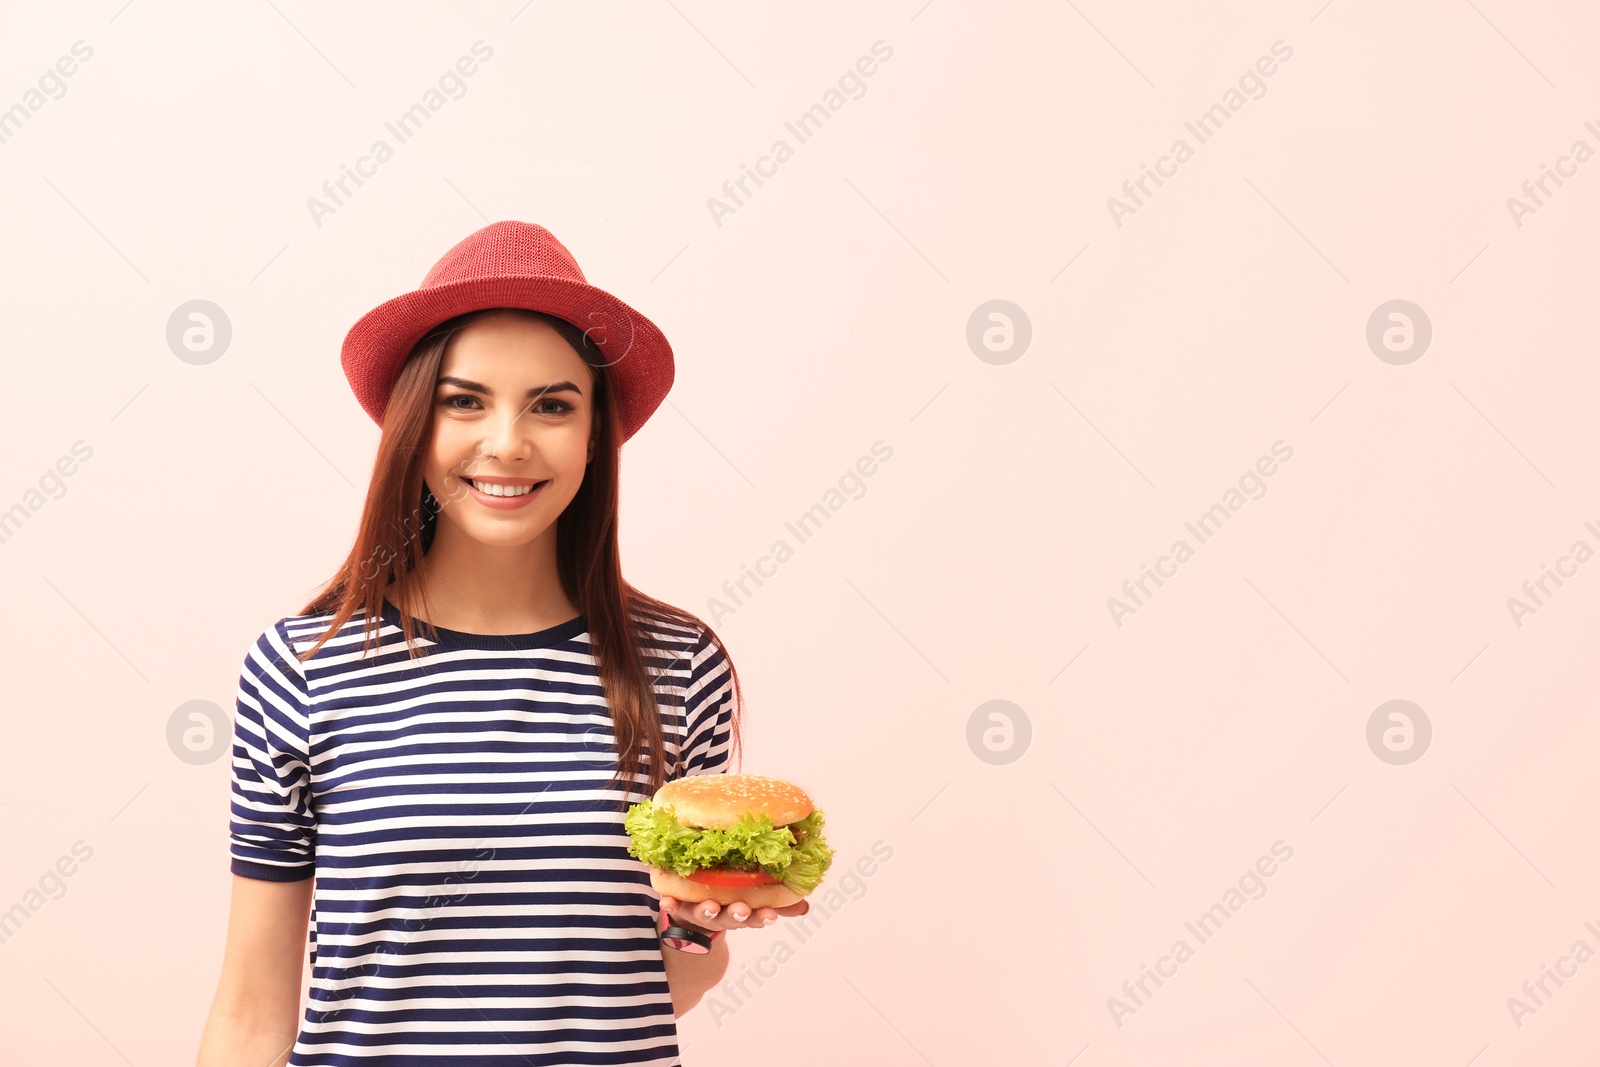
x=730 y=838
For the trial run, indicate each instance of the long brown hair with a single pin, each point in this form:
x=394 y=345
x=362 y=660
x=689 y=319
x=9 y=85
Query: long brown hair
x=400 y=517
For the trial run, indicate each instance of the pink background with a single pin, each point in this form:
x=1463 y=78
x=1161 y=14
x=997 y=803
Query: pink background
x=830 y=311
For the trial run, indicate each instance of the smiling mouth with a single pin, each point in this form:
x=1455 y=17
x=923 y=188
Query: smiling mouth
x=495 y=489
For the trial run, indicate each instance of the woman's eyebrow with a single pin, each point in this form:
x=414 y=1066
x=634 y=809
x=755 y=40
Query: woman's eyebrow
x=478 y=387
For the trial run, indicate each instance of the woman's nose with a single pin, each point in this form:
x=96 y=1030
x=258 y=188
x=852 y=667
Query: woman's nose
x=506 y=433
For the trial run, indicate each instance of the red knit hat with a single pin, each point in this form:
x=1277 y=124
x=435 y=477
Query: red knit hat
x=513 y=265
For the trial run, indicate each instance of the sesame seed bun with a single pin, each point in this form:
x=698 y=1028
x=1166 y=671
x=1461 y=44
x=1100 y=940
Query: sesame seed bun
x=717 y=801
x=772 y=895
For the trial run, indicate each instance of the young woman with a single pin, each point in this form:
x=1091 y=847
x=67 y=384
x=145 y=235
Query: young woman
x=433 y=758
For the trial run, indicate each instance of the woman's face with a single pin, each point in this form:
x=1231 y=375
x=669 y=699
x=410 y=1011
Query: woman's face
x=513 y=407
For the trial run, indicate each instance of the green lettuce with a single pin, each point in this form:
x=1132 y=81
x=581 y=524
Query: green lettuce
x=753 y=843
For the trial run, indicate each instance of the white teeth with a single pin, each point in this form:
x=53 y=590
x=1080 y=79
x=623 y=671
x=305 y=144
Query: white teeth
x=490 y=489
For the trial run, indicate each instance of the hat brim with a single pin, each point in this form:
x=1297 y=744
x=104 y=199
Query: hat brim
x=636 y=352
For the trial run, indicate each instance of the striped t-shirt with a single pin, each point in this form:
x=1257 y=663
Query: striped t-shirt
x=474 y=900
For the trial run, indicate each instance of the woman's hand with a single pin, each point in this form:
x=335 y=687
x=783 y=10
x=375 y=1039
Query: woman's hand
x=709 y=915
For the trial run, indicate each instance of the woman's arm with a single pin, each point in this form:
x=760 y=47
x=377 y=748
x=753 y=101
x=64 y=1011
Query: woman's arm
x=255 y=1015
x=689 y=975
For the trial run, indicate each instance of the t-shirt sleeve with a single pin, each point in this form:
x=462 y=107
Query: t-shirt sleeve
x=708 y=707
x=272 y=832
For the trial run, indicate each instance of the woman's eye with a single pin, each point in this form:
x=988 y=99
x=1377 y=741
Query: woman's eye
x=543 y=407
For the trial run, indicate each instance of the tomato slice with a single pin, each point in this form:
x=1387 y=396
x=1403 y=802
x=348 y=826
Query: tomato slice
x=725 y=876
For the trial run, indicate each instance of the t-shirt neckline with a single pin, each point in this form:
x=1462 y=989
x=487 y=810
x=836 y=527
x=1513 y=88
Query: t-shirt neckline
x=546 y=638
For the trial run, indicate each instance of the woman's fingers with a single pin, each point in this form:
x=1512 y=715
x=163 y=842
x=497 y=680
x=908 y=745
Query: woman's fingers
x=732 y=915
x=712 y=915
x=705 y=911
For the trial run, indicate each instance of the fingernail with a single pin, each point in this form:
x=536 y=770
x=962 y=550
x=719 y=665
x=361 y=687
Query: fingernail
x=766 y=922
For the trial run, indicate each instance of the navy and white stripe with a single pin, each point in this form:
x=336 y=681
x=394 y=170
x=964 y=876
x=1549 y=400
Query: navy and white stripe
x=474 y=901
